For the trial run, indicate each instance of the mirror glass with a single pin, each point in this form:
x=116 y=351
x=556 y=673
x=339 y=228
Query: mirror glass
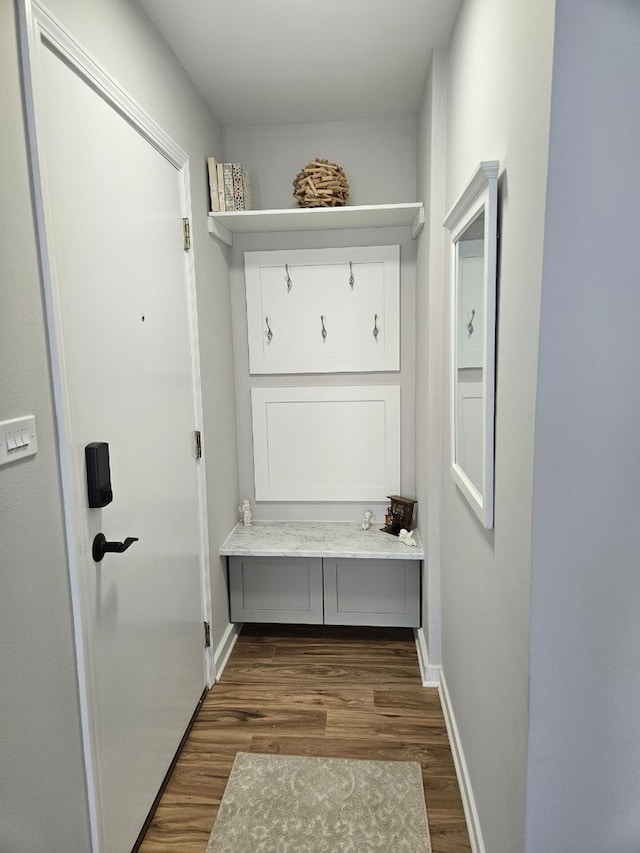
x=469 y=327
x=473 y=226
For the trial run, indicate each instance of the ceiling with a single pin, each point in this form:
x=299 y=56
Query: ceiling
x=280 y=61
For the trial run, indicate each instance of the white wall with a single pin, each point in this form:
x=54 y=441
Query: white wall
x=378 y=156
x=379 y=159
x=584 y=759
x=42 y=797
x=42 y=794
x=327 y=511
x=430 y=308
x=499 y=83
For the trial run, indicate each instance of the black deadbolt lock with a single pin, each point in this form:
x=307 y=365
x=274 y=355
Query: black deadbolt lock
x=96 y=457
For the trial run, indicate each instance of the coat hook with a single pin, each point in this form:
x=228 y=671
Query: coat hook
x=289 y=282
x=470 y=323
x=324 y=331
x=376 y=330
x=269 y=332
x=351 y=278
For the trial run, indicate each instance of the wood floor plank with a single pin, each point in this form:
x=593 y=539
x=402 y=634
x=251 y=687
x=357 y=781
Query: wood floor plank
x=361 y=656
x=303 y=696
x=199 y=780
x=327 y=673
x=412 y=699
x=239 y=720
x=312 y=690
x=452 y=838
x=344 y=643
x=435 y=760
x=386 y=726
x=254 y=651
x=183 y=827
x=216 y=745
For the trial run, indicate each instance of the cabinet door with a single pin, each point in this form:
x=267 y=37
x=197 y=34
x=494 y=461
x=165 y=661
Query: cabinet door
x=323 y=310
x=276 y=589
x=372 y=592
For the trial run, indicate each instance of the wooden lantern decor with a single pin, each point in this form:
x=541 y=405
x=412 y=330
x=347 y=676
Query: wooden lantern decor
x=321 y=184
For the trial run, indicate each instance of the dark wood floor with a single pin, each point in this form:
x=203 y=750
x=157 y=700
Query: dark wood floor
x=317 y=690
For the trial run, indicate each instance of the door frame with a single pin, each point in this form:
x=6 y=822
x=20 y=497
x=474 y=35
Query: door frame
x=39 y=30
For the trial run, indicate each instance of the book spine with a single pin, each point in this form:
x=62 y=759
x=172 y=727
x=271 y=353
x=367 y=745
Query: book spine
x=232 y=186
x=213 y=184
x=239 y=187
x=247 y=191
x=228 y=186
x=221 y=199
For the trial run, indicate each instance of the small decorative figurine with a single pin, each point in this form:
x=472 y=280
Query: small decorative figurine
x=246 y=511
x=399 y=514
x=367 y=519
x=406 y=537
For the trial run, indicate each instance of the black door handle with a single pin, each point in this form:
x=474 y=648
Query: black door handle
x=101 y=547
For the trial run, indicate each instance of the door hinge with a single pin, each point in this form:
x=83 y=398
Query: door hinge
x=207 y=634
x=186 y=233
x=198 y=440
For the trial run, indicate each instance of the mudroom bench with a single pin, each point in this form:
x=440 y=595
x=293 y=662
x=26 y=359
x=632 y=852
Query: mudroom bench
x=311 y=572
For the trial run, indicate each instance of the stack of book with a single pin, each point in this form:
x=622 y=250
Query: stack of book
x=229 y=186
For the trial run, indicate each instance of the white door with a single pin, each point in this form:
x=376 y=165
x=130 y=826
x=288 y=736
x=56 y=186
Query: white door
x=119 y=290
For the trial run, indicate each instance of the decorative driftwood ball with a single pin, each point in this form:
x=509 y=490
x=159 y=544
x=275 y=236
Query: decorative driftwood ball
x=321 y=184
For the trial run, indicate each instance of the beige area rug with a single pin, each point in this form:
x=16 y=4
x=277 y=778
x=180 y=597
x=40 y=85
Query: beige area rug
x=291 y=804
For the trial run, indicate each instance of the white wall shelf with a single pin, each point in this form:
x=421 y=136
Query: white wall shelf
x=223 y=226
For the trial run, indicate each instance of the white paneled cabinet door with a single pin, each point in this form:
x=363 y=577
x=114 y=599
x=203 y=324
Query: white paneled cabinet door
x=323 y=310
x=326 y=444
x=119 y=309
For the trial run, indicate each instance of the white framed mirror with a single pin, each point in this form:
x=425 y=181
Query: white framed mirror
x=473 y=223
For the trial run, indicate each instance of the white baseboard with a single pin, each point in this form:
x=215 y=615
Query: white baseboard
x=430 y=674
x=225 y=647
x=468 y=800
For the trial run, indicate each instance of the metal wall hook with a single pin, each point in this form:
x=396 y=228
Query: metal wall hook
x=352 y=280
x=324 y=331
x=470 y=323
x=101 y=547
x=289 y=282
x=376 y=330
x=269 y=332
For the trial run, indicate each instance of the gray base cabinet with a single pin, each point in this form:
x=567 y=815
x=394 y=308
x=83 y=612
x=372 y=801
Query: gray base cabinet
x=276 y=589
x=333 y=591
x=371 y=592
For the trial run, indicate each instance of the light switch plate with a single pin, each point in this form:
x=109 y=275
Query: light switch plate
x=18 y=439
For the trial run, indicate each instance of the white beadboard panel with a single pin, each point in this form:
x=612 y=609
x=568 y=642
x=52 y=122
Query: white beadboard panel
x=326 y=444
x=349 y=292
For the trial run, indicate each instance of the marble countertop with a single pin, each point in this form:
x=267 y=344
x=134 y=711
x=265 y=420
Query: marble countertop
x=317 y=539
